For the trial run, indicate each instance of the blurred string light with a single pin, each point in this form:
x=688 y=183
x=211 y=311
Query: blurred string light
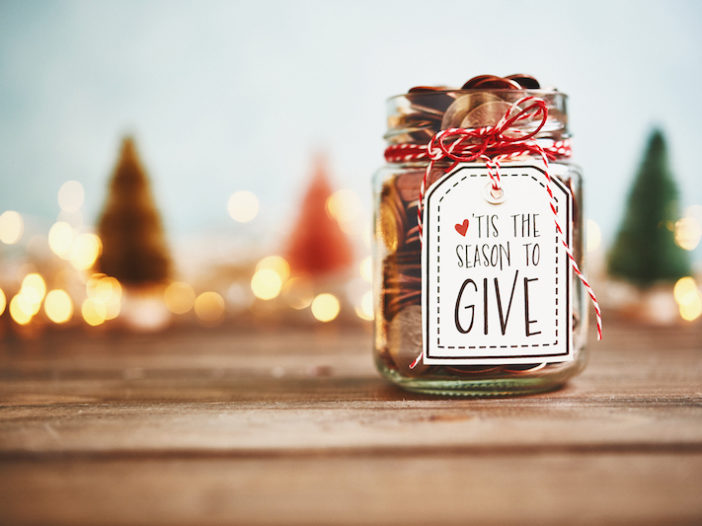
x=33 y=289
x=688 y=229
x=145 y=310
x=85 y=250
x=345 y=206
x=71 y=196
x=82 y=250
x=266 y=284
x=325 y=307
x=298 y=293
x=27 y=302
x=239 y=296
x=209 y=307
x=3 y=301
x=106 y=292
x=93 y=312
x=243 y=206
x=687 y=296
x=58 y=306
x=365 y=309
x=277 y=264
x=18 y=311
x=593 y=239
x=11 y=227
x=179 y=297
x=61 y=238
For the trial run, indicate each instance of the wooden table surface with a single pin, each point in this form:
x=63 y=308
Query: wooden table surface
x=296 y=427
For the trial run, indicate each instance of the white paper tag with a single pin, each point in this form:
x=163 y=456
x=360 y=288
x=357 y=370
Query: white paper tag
x=496 y=279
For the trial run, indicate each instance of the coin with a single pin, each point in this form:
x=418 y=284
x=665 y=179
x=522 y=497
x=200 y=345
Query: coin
x=430 y=100
x=424 y=89
x=390 y=218
x=487 y=114
x=405 y=340
x=479 y=78
x=496 y=83
x=525 y=81
x=463 y=105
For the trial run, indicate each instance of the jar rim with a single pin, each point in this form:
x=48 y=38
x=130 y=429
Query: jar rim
x=458 y=91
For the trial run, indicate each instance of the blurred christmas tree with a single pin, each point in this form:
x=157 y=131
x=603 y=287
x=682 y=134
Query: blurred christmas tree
x=644 y=251
x=318 y=246
x=133 y=245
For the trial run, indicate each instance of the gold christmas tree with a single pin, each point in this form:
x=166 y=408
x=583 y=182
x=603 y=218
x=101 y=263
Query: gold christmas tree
x=134 y=248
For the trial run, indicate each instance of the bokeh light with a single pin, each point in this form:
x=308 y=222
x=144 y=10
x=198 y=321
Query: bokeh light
x=593 y=239
x=11 y=227
x=685 y=289
x=58 y=306
x=239 y=295
x=94 y=312
x=365 y=309
x=688 y=232
x=209 y=307
x=19 y=310
x=27 y=302
x=298 y=293
x=61 y=239
x=344 y=205
x=243 y=206
x=691 y=311
x=71 y=196
x=278 y=264
x=107 y=291
x=3 y=301
x=266 y=284
x=145 y=310
x=33 y=290
x=85 y=250
x=325 y=307
x=688 y=297
x=179 y=297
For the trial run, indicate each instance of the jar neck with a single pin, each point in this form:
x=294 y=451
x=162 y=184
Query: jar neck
x=414 y=118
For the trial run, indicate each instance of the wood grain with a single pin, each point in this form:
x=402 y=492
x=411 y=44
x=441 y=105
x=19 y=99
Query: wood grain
x=295 y=427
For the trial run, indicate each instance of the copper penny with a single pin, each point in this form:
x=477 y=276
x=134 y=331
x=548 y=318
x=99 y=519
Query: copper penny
x=463 y=105
x=525 y=81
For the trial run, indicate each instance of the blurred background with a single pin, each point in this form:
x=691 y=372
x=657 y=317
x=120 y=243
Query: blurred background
x=209 y=164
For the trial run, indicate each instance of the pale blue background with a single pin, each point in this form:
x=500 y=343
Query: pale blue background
x=232 y=95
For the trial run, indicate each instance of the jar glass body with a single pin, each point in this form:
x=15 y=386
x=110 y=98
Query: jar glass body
x=398 y=286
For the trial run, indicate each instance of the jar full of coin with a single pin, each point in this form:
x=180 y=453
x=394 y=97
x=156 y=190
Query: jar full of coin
x=478 y=261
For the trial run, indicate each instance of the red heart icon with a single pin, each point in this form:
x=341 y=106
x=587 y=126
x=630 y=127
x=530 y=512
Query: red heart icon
x=462 y=228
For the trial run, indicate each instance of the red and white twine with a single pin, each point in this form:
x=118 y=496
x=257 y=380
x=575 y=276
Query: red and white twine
x=493 y=145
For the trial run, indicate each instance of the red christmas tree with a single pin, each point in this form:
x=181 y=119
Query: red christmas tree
x=318 y=246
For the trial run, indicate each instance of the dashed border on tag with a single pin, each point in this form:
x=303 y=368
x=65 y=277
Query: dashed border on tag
x=425 y=302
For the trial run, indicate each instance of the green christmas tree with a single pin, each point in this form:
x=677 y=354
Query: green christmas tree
x=133 y=244
x=644 y=251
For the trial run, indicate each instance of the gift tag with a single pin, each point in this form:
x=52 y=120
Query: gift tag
x=496 y=277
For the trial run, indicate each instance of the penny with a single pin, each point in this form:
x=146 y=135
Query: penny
x=487 y=114
x=525 y=81
x=463 y=105
x=430 y=100
x=424 y=89
x=390 y=218
x=405 y=340
x=470 y=84
x=497 y=83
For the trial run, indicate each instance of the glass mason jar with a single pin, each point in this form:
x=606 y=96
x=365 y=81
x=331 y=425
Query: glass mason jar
x=413 y=118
